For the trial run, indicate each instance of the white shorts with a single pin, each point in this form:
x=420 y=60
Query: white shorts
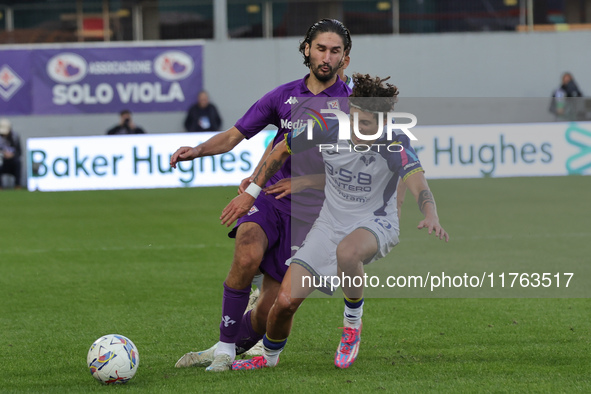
x=318 y=253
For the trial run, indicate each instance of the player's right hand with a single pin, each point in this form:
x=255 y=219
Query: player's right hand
x=432 y=225
x=183 y=153
x=238 y=207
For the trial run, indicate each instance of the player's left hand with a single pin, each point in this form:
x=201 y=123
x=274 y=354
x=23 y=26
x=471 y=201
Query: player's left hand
x=287 y=186
x=433 y=225
x=282 y=188
x=238 y=207
x=244 y=184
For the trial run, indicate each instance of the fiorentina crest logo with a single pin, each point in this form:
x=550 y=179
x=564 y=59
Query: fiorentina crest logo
x=10 y=82
x=334 y=104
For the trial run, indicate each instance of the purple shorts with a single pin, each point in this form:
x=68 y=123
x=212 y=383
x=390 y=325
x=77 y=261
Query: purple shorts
x=277 y=226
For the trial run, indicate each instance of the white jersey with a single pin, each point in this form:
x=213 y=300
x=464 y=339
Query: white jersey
x=360 y=181
x=360 y=193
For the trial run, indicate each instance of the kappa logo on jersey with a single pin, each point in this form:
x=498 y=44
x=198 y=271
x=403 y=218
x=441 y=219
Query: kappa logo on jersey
x=10 y=82
x=67 y=67
x=367 y=160
x=334 y=104
x=291 y=100
x=173 y=65
x=253 y=210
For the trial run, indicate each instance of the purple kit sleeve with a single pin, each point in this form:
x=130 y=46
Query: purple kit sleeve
x=259 y=115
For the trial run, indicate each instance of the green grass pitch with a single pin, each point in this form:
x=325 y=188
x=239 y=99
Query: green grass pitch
x=149 y=264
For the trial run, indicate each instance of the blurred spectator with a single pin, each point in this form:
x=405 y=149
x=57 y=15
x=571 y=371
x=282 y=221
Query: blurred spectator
x=10 y=150
x=569 y=86
x=203 y=115
x=126 y=125
x=560 y=106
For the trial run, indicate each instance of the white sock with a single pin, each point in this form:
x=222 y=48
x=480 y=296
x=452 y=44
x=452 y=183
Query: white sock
x=271 y=355
x=226 y=348
x=353 y=316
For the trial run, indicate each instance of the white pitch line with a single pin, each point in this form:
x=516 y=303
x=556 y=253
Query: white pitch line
x=114 y=248
x=498 y=236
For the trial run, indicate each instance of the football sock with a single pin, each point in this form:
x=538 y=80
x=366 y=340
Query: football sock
x=271 y=350
x=353 y=312
x=258 y=281
x=225 y=347
x=233 y=305
x=247 y=337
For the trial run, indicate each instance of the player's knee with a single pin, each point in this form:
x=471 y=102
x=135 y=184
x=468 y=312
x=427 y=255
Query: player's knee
x=285 y=304
x=251 y=244
x=248 y=261
x=348 y=256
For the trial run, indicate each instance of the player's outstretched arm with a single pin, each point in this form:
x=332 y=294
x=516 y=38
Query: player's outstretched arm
x=418 y=186
x=219 y=143
x=242 y=203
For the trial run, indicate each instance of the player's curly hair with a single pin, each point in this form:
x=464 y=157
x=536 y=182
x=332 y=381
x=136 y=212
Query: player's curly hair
x=372 y=94
x=326 y=26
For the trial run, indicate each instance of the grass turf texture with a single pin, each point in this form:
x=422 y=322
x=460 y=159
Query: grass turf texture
x=149 y=264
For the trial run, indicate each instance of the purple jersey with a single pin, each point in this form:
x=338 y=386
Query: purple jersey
x=275 y=108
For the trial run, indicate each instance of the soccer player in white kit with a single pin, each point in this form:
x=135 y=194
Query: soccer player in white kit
x=358 y=223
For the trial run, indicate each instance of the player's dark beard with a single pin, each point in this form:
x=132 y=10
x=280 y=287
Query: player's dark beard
x=324 y=77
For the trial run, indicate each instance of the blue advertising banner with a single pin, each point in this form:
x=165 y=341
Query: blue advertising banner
x=100 y=79
x=95 y=80
x=15 y=82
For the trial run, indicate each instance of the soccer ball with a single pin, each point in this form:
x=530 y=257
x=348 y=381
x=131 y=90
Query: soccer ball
x=113 y=359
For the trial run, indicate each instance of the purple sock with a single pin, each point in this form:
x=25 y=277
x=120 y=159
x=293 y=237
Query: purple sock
x=233 y=306
x=247 y=337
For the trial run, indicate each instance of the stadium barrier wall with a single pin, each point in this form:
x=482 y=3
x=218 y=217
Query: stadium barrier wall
x=142 y=161
x=505 y=150
x=135 y=162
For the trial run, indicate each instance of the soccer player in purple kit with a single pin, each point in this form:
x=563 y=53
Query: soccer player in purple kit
x=358 y=223
x=264 y=236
